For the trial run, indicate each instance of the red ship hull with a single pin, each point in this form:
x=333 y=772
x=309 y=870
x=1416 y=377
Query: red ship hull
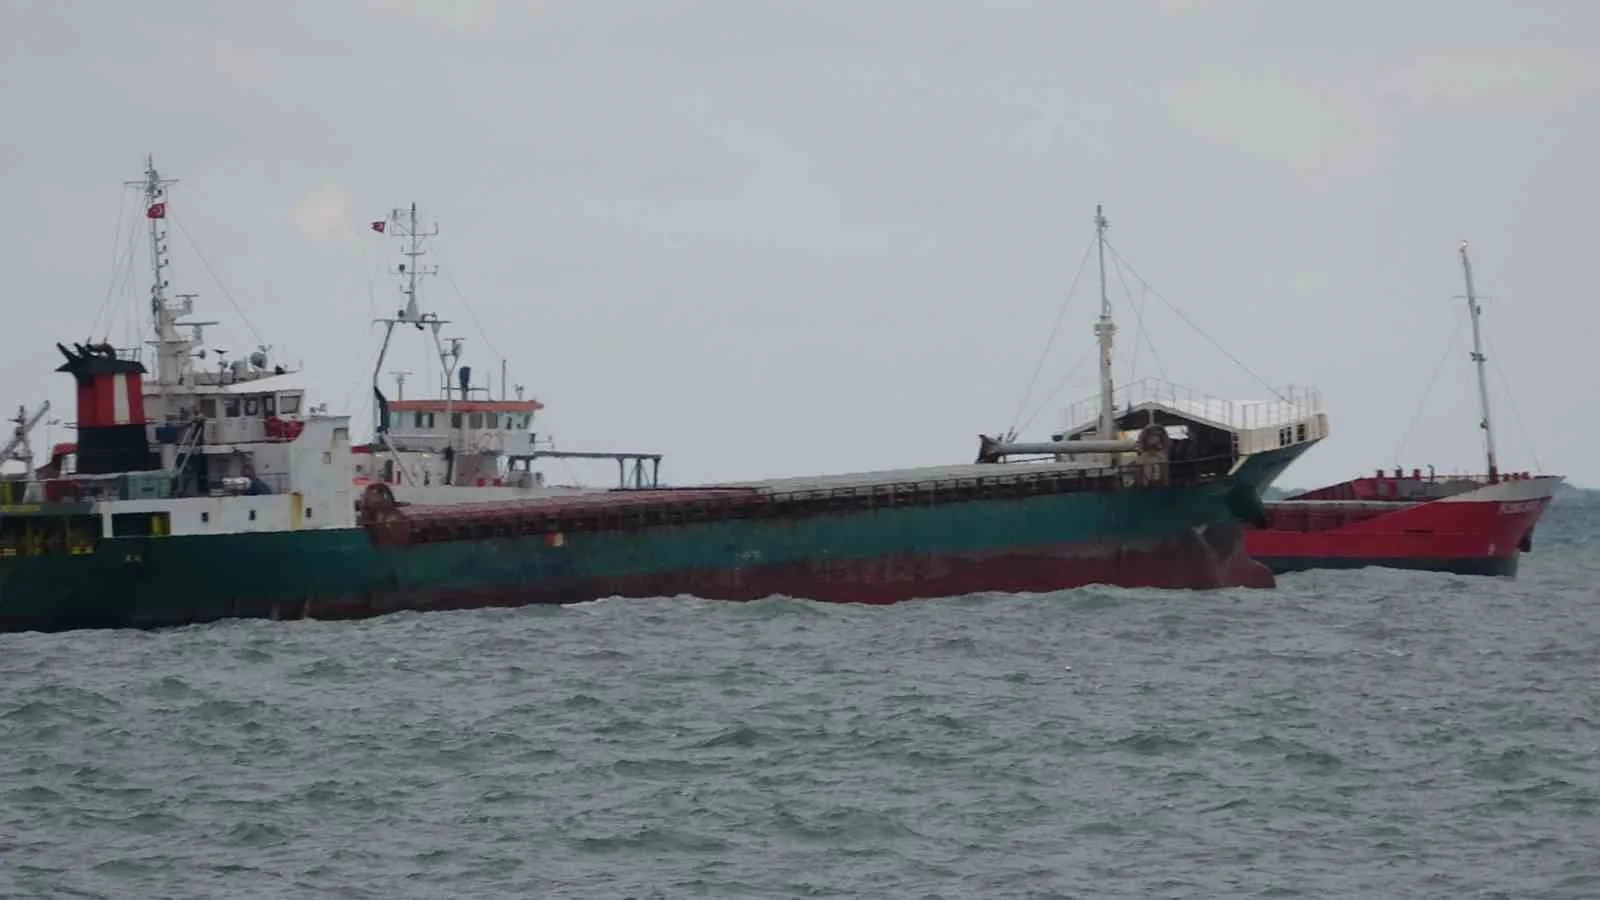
x=1462 y=526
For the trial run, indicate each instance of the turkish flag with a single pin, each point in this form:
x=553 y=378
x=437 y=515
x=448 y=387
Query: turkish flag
x=156 y=211
x=378 y=226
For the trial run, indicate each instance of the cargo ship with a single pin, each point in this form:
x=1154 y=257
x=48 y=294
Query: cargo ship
x=1463 y=524
x=201 y=495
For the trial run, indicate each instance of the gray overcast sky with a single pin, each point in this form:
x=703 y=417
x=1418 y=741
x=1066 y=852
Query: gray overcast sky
x=780 y=238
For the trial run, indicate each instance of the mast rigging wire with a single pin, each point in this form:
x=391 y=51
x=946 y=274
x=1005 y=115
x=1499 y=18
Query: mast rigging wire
x=1416 y=416
x=1187 y=321
x=1055 y=329
x=1511 y=402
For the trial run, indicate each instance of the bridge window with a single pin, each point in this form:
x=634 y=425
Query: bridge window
x=208 y=407
x=423 y=421
x=269 y=405
x=289 y=404
x=252 y=406
x=230 y=407
x=491 y=420
x=475 y=420
x=455 y=420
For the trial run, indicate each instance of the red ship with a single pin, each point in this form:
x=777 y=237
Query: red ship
x=1467 y=525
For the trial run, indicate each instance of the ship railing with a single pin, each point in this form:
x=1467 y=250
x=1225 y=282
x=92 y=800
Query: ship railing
x=480 y=442
x=83 y=488
x=1293 y=405
x=1478 y=478
x=1445 y=480
x=419 y=442
x=156 y=484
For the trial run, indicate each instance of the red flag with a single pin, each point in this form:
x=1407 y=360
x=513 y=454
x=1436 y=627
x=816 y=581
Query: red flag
x=156 y=211
x=378 y=226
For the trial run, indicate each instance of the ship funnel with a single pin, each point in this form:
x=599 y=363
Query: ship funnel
x=111 y=423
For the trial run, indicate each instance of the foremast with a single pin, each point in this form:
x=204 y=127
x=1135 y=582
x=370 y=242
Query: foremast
x=1479 y=361
x=403 y=224
x=1104 y=330
x=174 y=351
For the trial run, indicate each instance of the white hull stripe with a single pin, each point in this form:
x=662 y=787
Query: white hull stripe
x=119 y=399
x=1540 y=488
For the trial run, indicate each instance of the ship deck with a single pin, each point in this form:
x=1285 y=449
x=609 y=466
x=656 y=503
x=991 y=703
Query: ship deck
x=784 y=498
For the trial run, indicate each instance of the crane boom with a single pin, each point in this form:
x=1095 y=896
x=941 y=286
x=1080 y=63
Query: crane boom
x=19 y=438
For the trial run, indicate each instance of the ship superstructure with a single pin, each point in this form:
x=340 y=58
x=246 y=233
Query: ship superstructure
x=466 y=443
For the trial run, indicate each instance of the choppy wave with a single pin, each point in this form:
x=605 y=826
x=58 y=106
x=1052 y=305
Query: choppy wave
x=1351 y=734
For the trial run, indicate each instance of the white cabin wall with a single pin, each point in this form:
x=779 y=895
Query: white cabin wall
x=1260 y=440
x=321 y=464
x=272 y=460
x=228 y=514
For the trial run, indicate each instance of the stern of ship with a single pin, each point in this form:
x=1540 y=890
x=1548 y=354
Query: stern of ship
x=53 y=573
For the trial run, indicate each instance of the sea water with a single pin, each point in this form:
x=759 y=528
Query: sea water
x=1353 y=734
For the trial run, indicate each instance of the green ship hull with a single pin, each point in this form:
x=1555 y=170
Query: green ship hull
x=876 y=550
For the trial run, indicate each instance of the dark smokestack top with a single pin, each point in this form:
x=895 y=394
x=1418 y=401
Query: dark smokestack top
x=86 y=362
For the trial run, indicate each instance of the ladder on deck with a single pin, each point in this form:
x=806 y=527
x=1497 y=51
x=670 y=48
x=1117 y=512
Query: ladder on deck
x=186 y=449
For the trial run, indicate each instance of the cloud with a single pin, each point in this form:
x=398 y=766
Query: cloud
x=1317 y=129
x=1181 y=7
x=1307 y=283
x=325 y=215
x=1270 y=116
x=1462 y=78
x=460 y=16
x=239 y=64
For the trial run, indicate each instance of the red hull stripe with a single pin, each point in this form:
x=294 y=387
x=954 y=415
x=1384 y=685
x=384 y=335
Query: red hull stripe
x=1497 y=566
x=879 y=582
